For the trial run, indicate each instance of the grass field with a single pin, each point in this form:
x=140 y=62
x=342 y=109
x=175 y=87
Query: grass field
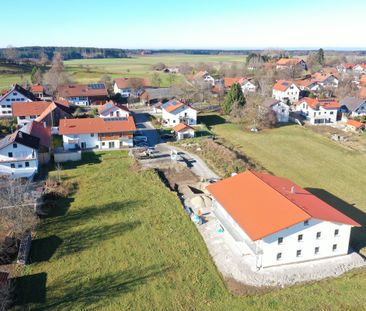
x=123 y=242
x=90 y=70
x=331 y=171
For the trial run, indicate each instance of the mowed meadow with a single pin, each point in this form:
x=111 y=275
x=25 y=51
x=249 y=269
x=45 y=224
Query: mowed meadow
x=122 y=241
x=91 y=70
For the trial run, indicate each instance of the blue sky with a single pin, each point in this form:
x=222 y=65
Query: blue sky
x=184 y=23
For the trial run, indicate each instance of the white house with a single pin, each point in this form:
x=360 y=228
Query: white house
x=112 y=110
x=318 y=111
x=280 y=222
x=97 y=133
x=307 y=84
x=15 y=94
x=26 y=112
x=175 y=112
x=346 y=68
x=247 y=85
x=281 y=109
x=326 y=80
x=183 y=131
x=83 y=94
x=360 y=69
x=205 y=76
x=125 y=86
x=285 y=90
x=354 y=106
x=18 y=155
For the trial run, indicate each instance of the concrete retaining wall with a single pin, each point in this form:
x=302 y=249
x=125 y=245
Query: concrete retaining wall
x=67 y=156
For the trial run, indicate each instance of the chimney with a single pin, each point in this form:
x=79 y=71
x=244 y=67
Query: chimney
x=293 y=190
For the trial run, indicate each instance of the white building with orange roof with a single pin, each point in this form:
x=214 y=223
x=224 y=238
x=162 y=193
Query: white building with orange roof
x=175 y=112
x=286 y=90
x=278 y=221
x=112 y=110
x=183 y=131
x=318 y=111
x=285 y=63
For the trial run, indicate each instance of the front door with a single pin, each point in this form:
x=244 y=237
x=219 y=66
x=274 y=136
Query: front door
x=111 y=144
x=83 y=145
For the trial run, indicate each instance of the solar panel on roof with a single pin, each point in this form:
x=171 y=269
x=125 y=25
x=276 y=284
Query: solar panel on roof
x=96 y=86
x=115 y=119
x=285 y=83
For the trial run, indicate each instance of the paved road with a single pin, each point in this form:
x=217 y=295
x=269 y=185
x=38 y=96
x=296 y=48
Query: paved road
x=143 y=123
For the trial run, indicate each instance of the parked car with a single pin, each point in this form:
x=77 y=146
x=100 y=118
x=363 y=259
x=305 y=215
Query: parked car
x=139 y=139
x=167 y=137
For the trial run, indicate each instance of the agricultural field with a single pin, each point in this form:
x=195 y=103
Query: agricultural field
x=90 y=70
x=125 y=243
x=331 y=171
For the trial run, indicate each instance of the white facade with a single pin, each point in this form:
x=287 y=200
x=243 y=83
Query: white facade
x=359 y=70
x=93 y=141
x=186 y=133
x=188 y=116
x=305 y=241
x=331 y=81
x=248 y=87
x=292 y=94
x=319 y=115
x=18 y=161
x=360 y=110
x=114 y=112
x=79 y=100
x=126 y=92
x=8 y=99
x=282 y=111
x=21 y=121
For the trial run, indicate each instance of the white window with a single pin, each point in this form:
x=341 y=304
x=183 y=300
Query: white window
x=316 y=250
x=334 y=247
x=318 y=235
x=280 y=241
x=298 y=253
x=279 y=256
x=336 y=232
x=306 y=223
x=299 y=238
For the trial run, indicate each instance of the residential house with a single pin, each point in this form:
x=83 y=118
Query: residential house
x=183 y=131
x=83 y=94
x=307 y=84
x=319 y=111
x=128 y=86
x=47 y=112
x=277 y=221
x=286 y=91
x=360 y=69
x=15 y=94
x=326 y=80
x=18 y=155
x=151 y=96
x=204 y=76
x=113 y=110
x=39 y=130
x=40 y=92
x=175 y=112
x=355 y=126
x=354 y=106
x=286 y=63
x=247 y=85
x=28 y=111
x=281 y=109
x=97 y=133
x=346 y=68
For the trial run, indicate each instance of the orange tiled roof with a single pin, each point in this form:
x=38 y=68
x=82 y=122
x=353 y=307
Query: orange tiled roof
x=171 y=108
x=124 y=83
x=25 y=109
x=282 y=85
x=355 y=123
x=288 y=61
x=96 y=125
x=37 y=89
x=181 y=127
x=314 y=103
x=76 y=90
x=262 y=204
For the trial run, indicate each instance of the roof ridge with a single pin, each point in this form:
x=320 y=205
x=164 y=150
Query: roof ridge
x=297 y=205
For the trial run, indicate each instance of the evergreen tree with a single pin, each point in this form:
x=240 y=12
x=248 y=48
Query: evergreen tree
x=320 y=57
x=234 y=96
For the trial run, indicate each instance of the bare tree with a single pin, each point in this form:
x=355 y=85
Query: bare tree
x=17 y=213
x=10 y=53
x=155 y=79
x=107 y=81
x=256 y=115
x=57 y=74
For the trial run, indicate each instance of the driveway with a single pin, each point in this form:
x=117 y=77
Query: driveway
x=143 y=123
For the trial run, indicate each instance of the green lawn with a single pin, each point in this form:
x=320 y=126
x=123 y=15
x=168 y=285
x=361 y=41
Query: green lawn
x=329 y=170
x=125 y=243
